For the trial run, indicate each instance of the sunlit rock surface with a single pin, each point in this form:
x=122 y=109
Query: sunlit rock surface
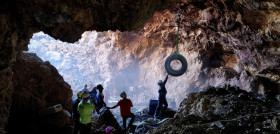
x=219 y=42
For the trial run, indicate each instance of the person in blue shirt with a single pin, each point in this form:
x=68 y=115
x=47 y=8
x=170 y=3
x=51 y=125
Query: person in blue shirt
x=162 y=97
x=93 y=94
x=100 y=98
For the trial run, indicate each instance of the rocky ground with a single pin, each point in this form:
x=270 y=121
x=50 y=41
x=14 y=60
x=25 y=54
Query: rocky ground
x=214 y=111
x=143 y=121
x=224 y=110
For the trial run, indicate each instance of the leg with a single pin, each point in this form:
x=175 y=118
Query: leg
x=158 y=107
x=131 y=120
x=88 y=127
x=83 y=129
x=124 y=122
x=76 y=126
x=165 y=105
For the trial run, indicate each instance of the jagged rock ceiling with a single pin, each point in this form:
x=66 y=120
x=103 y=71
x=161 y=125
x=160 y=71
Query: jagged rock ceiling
x=232 y=39
x=220 y=49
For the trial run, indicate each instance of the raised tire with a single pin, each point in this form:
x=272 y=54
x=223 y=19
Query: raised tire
x=173 y=72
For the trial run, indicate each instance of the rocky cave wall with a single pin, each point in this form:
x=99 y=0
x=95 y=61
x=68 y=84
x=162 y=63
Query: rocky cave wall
x=38 y=85
x=222 y=45
x=221 y=42
x=225 y=42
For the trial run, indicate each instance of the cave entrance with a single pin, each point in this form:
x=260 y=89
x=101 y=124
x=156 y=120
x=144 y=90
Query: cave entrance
x=93 y=60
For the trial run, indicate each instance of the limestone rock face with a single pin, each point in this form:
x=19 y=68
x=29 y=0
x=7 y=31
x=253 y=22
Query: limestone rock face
x=220 y=44
x=216 y=37
x=37 y=86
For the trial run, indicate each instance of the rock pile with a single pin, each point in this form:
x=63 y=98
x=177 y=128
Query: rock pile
x=106 y=118
x=224 y=110
x=144 y=121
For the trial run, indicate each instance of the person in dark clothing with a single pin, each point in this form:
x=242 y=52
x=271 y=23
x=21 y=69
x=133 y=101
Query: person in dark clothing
x=162 y=97
x=93 y=94
x=100 y=98
x=76 y=115
x=125 y=105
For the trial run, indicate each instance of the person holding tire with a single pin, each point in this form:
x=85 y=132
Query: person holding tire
x=161 y=98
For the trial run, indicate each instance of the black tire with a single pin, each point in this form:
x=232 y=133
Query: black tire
x=173 y=72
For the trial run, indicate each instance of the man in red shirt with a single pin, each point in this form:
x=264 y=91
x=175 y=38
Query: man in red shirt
x=125 y=105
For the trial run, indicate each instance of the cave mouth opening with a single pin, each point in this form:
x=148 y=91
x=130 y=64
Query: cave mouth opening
x=93 y=60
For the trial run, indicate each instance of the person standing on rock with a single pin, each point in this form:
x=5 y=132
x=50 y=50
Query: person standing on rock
x=100 y=98
x=162 y=97
x=85 y=110
x=76 y=115
x=125 y=105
